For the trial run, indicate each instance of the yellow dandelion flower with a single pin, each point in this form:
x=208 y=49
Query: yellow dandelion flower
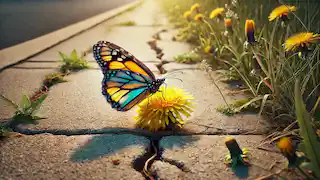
x=249 y=27
x=281 y=12
x=300 y=40
x=285 y=145
x=187 y=15
x=199 y=17
x=216 y=12
x=195 y=8
x=166 y=106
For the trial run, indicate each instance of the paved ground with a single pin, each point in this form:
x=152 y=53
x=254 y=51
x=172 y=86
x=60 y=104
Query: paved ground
x=79 y=104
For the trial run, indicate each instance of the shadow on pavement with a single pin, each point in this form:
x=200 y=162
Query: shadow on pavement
x=177 y=141
x=103 y=145
x=241 y=172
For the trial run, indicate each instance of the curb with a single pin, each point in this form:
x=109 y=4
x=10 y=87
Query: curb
x=18 y=53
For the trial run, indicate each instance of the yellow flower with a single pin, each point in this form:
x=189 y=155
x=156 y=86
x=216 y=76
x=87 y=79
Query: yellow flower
x=195 y=8
x=216 y=12
x=199 y=17
x=300 y=40
x=163 y=108
x=281 y=12
x=285 y=145
x=187 y=15
x=249 y=27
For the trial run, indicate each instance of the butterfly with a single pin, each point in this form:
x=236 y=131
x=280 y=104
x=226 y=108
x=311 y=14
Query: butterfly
x=127 y=81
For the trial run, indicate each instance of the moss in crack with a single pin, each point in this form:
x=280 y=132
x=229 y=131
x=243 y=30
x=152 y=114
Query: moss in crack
x=127 y=23
x=54 y=78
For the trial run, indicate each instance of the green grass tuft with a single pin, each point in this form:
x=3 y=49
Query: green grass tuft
x=73 y=62
x=127 y=23
x=188 y=58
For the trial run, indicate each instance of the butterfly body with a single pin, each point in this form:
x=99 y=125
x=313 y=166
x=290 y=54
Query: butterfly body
x=127 y=81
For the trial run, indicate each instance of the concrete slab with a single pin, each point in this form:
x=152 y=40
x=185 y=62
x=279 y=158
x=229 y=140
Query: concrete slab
x=61 y=157
x=27 y=49
x=203 y=158
x=27 y=77
x=16 y=82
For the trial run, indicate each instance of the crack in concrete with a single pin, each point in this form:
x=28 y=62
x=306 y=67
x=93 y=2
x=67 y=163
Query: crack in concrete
x=137 y=132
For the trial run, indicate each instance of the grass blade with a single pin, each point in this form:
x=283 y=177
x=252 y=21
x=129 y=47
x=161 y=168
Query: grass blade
x=310 y=140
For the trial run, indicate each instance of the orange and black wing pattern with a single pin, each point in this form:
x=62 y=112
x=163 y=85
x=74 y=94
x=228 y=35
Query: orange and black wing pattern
x=127 y=81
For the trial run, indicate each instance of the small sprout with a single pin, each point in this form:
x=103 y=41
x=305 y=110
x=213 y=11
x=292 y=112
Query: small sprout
x=73 y=62
x=188 y=58
x=127 y=23
x=226 y=110
x=236 y=156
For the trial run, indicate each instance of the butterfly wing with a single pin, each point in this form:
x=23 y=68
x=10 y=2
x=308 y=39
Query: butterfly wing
x=110 y=56
x=127 y=81
x=124 y=89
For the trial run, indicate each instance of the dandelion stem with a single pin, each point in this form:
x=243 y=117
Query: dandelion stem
x=219 y=91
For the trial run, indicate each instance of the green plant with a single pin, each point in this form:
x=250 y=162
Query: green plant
x=310 y=143
x=54 y=78
x=127 y=23
x=267 y=69
x=25 y=111
x=226 y=110
x=4 y=131
x=73 y=62
x=188 y=58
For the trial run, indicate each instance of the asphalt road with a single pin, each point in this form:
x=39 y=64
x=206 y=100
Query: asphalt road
x=23 y=20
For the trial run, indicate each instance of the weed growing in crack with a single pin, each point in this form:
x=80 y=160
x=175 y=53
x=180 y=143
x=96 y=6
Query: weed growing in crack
x=73 y=62
x=26 y=111
x=54 y=78
x=188 y=58
x=127 y=23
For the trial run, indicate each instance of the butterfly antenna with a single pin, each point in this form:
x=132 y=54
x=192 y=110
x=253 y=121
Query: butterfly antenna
x=165 y=84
